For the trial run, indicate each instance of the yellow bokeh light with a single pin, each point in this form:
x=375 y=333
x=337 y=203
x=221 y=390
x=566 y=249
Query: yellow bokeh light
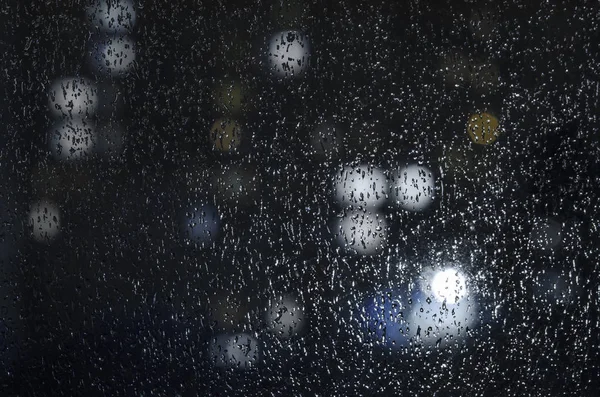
x=226 y=134
x=483 y=128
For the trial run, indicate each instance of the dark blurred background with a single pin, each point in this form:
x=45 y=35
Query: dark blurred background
x=123 y=302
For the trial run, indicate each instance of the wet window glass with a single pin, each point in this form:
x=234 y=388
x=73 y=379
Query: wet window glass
x=299 y=198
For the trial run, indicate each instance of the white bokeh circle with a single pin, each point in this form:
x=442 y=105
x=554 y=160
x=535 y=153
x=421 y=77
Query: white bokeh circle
x=114 y=55
x=72 y=139
x=361 y=233
x=362 y=185
x=289 y=53
x=44 y=221
x=285 y=317
x=436 y=323
x=413 y=187
x=73 y=96
x=239 y=351
x=449 y=286
x=116 y=16
x=201 y=224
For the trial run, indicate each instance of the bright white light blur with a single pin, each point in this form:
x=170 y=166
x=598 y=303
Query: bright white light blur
x=44 y=221
x=434 y=322
x=449 y=285
x=73 y=96
x=361 y=233
x=443 y=309
x=289 y=53
x=362 y=185
x=116 y=16
x=72 y=139
x=240 y=351
x=545 y=234
x=326 y=140
x=200 y=224
x=285 y=317
x=114 y=55
x=412 y=187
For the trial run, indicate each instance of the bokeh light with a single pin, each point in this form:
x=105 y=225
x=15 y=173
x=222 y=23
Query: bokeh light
x=73 y=96
x=285 y=316
x=443 y=310
x=114 y=16
x=386 y=318
x=201 y=224
x=449 y=286
x=72 y=139
x=226 y=134
x=361 y=232
x=413 y=187
x=239 y=351
x=483 y=128
x=362 y=185
x=289 y=54
x=44 y=221
x=114 y=55
x=545 y=234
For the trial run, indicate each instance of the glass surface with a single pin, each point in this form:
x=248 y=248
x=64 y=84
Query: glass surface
x=299 y=198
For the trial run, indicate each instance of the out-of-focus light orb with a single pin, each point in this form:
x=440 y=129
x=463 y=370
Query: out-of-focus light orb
x=226 y=134
x=201 y=224
x=483 y=128
x=289 y=54
x=114 y=55
x=285 y=317
x=545 y=234
x=44 y=221
x=238 y=351
x=72 y=139
x=111 y=16
x=326 y=140
x=413 y=187
x=386 y=316
x=449 y=286
x=437 y=323
x=73 y=96
x=362 y=185
x=362 y=233
x=443 y=308
x=229 y=97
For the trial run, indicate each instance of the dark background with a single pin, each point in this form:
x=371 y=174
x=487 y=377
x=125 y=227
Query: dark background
x=120 y=305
